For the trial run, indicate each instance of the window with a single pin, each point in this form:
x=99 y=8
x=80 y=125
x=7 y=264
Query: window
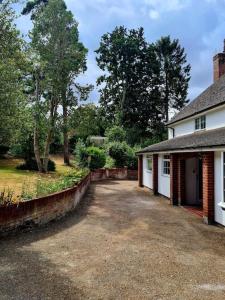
x=166 y=165
x=149 y=163
x=200 y=123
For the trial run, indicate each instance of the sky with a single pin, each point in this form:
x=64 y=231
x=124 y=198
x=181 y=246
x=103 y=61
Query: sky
x=198 y=24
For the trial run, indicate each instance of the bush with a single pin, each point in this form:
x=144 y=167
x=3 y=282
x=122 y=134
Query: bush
x=31 y=165
x=123 y=155
x=110 y=162
x=118 y=151
x=80 y=153
x=116 y=134
x=91 y=157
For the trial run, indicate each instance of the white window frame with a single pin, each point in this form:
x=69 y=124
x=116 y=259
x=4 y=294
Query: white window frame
x=201 y=123
x=222 y=203
x=149 y=158
x=223 y=175
x=166 y=159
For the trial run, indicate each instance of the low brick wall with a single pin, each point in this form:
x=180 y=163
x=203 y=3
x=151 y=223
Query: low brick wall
x=42 y=210
x=45 y=209
x=115 y=173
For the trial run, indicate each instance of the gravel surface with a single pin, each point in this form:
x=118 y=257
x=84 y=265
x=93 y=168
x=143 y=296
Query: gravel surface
x=122 y=243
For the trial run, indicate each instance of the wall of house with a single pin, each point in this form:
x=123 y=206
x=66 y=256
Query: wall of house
x=147 y=175
x=219 y=212
x=214 y=119
x=163 y=180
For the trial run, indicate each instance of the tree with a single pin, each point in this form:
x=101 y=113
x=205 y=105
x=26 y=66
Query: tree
x=174 y=75
x=70 y=54
x=12 y=64
x=129 y=86
x=32 y=7
x=84 y=121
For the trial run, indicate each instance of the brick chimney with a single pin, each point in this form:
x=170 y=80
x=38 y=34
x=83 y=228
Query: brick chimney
x=219 y=64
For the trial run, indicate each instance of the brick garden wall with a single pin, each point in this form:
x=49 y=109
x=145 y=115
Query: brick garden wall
x=45 y=209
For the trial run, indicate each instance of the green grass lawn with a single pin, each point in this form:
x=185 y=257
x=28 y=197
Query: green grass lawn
x=13 y=179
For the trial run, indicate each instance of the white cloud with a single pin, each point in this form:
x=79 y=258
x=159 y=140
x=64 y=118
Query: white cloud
x=153 y=14
x=158 y=7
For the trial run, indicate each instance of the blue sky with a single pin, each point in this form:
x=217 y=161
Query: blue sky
x=198 y=24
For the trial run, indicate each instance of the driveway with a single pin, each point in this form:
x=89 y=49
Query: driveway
x=122 y=243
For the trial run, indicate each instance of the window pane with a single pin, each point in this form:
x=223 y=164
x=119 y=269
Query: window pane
x=203 y=122
x=197 y=123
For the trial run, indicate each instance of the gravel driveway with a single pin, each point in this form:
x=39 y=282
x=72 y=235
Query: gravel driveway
x=122 y=243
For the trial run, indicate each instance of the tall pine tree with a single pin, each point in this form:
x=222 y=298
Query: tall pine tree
x=174 y=75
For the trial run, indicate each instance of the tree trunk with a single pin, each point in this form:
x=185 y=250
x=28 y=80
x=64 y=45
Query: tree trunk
x=53 y=112
x=65 y=133
x=36 y=128
x=37 y=149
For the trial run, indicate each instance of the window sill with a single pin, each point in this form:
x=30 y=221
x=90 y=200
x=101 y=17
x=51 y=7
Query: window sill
x=148 y=171
x=221 y=204
x=165 y=175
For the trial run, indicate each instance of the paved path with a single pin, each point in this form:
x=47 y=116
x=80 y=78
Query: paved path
x=122 y=244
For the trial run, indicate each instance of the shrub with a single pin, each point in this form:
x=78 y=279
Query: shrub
x=91 y=157
x=115 y=134
x=80 y=153
x=123 y=155
x=118 y=151
x=97 y=158
x=68 y=180
x=31 y=165
x=110 y=162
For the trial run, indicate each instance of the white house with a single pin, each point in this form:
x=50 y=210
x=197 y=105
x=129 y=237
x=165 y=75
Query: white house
x=189 y=167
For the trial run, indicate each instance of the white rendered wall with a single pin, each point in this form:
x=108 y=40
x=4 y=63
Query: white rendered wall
x=219 y=212
x=163 y=180
x=147 y=175
x=214 y=119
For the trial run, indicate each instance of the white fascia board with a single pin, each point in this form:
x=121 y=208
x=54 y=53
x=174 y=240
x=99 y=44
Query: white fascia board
x=186 y=151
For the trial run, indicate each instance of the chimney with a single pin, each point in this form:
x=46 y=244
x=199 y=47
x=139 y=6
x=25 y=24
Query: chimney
x=219 y=64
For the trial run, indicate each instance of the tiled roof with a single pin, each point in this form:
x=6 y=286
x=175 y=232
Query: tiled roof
x=198 y=140
x=213 y=96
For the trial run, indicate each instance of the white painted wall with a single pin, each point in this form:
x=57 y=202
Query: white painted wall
x=214 y=119
x=163 y=180
x=219 y=212
x=147 y=175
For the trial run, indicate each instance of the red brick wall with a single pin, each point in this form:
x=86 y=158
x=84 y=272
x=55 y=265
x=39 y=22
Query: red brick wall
x=115 y=173
x=140 y=170
x=208 y=186
x=218 y=66
x=42 y=210
x=155 y=173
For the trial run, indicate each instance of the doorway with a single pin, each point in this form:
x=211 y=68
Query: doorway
x=193 y=182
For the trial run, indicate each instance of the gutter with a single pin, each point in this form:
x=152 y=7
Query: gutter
x=201 y=149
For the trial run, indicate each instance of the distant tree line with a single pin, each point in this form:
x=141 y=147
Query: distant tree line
x=42 y=105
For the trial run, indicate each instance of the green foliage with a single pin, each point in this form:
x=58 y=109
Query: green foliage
x=91 y=157
x=31 y=165
x=118 y=151
x=80 y=153
x=96 y=157
x=129 y=95
x=115 y=134
x=12 y=65
x=123 y=155
x=174 y=75
x=110 y=162
x=69 y=180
